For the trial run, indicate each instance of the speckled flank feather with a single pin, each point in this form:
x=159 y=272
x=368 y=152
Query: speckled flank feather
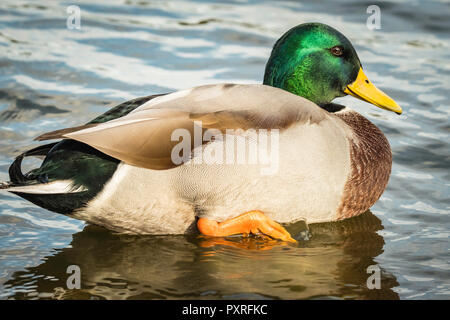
x=371 y=162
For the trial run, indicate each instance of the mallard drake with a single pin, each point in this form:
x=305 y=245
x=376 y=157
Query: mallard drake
x=119 y=170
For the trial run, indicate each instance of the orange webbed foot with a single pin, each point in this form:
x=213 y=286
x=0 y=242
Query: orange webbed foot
x=249 y=222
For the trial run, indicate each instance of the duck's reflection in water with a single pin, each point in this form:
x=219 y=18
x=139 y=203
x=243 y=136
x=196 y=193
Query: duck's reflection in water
x=333 y=263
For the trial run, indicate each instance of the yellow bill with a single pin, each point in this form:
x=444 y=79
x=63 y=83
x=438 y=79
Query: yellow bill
x=363 y=89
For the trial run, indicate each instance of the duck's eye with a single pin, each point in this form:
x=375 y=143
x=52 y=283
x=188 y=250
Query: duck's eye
x=337 y=51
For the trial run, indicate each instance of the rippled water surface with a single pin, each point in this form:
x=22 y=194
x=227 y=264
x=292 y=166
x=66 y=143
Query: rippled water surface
x=52 y=77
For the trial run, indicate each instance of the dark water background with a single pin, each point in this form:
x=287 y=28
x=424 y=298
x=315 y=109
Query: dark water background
x=52 y=77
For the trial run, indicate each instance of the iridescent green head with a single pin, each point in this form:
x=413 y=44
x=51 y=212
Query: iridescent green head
x=314 y=61
x=319 y=63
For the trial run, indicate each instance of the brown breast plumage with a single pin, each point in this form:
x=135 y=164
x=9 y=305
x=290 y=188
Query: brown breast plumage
x=371 y=162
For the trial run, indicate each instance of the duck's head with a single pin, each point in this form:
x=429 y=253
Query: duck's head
x=319 y=63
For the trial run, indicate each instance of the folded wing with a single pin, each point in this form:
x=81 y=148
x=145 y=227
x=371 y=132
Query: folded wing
x=144 y=138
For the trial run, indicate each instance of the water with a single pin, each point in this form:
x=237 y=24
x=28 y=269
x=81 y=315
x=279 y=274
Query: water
x=52 y=77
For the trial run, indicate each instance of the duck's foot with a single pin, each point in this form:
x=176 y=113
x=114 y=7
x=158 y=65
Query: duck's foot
x=249 y=222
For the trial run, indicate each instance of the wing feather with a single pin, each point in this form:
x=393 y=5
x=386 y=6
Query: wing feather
x=143 y=137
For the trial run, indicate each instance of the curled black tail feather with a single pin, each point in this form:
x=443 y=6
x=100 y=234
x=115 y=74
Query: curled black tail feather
x=15 y=170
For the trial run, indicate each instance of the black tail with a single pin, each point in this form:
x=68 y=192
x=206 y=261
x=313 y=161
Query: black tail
x=65 y=160
x=15 y=170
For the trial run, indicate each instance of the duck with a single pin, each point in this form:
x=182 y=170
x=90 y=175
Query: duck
x=161 y=164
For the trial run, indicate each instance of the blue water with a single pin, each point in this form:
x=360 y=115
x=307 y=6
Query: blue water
x=53 y=77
